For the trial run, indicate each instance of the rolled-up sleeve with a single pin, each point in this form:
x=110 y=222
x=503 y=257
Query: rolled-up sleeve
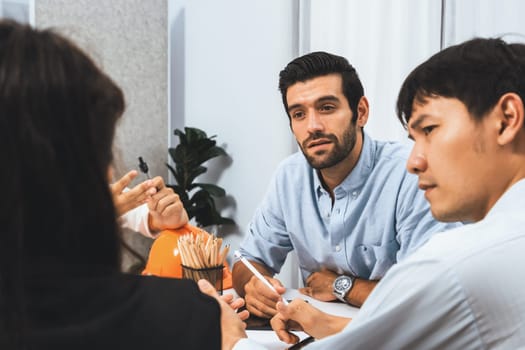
x=137 y=220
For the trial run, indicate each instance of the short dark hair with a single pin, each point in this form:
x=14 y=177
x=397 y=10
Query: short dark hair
x=477 y=72
x=318 y=64
x=58 y=113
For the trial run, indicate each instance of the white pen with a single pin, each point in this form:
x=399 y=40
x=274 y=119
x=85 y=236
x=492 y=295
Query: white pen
x=257 y=274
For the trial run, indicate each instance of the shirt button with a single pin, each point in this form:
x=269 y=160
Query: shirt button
x=338 y=248
x=337 y=211
x=355 y=193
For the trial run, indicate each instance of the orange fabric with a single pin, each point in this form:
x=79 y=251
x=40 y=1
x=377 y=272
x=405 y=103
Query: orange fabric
x=164 y=258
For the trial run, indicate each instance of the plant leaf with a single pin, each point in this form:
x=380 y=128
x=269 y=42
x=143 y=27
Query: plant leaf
x=193 y=173
x=213 y=190
x=181 y=135
x=172 y=169
x=194 y=149
x=210 y=153
x=194 y=134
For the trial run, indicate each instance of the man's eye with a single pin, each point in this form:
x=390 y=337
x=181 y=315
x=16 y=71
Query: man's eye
x=428 y=129
x=327 y=108
x=297 y=115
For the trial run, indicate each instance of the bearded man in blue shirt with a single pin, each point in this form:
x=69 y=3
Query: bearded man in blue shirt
x=345 y=203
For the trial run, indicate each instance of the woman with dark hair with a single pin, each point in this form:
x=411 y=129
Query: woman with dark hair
x=60 y=283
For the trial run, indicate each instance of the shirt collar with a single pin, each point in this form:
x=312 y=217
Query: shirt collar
x=357 y=177
x=512 y=200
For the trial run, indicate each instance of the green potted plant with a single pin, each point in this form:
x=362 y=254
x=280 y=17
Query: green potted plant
x=195 y=148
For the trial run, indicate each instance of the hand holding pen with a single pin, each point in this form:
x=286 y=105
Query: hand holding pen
x=256 y=273
x=166 y=210
x=125 y=198
x=262 y=293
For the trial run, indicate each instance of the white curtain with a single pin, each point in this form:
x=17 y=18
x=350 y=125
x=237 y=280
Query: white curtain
x=465 y=19
x=382 y=39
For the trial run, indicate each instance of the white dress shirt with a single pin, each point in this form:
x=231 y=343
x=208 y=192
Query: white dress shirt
x=464 y=289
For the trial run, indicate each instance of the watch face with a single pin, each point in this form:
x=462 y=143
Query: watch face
x=343 y=283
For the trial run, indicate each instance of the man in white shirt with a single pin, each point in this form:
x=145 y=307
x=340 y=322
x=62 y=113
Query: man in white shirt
x=464 y=289
x=149 y=207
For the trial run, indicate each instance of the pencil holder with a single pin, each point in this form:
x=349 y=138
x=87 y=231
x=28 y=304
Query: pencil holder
x=212 y=274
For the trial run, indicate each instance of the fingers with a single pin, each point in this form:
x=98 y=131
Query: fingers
x=282 y=333
x=224 y=300
x=124 y=181
x=164 y=196
x=163 y=200
x=228 y=298
x=126 y=200
x=235 y=303
x=279 y=324
x=301 y=316
x=166 y=209
x=306 y=291
x=208 y=289
x=232 y=326
x=255 y=306
x=141 y=192
x=158 y=182
x=277 y=285
x=294 y=313
x=244 y=314
x=261 y=300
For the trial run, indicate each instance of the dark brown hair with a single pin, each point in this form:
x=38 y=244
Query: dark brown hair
x=317 y=64
x=58 y=113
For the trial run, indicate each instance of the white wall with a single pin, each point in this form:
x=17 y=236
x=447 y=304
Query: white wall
x=226 y=57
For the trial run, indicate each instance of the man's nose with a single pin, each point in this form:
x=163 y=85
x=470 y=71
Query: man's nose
x=314 y=122
x=416 y=163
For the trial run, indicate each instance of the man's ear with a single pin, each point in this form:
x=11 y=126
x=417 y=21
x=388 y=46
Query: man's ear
x=511 y=118
x=362 y=112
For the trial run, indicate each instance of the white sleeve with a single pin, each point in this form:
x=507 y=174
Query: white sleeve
x=137 y=220
x=417 y=306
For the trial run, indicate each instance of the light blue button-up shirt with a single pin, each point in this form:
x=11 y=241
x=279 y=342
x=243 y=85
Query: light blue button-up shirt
x=463 y=290
x=378 y=217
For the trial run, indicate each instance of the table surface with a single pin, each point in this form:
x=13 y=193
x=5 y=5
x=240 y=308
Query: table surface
x=269 y=338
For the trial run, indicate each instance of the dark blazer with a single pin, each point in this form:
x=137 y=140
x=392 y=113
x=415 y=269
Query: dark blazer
x=119 y=311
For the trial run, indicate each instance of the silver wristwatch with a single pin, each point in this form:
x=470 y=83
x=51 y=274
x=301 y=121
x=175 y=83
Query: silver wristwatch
x=342 y=286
